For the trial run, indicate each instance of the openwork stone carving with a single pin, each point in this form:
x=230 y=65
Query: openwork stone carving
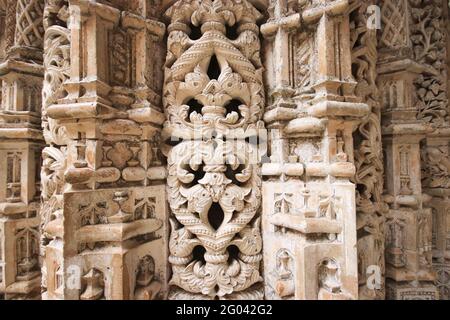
x=368 y=149
x=213 y=91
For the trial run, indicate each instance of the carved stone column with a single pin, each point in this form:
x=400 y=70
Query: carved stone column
x=214 y=98
x=369 y=178
x=309 y=208
x=408 y=227
x=104 y=214
x=21 y=143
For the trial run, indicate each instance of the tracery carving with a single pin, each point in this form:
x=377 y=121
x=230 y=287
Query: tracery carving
x=213 y=87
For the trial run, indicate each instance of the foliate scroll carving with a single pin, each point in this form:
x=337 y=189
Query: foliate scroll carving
x=429 y=47
x=436 y=167
x=368 y=141
x=56 y=61
x=213 y=83
x=213 y=89
x=394 y=24
x=304 y=60
x=120 y=58
x=54 y=156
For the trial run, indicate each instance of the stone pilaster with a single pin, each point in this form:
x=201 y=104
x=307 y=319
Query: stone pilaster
x=309 y=234
x=21 y=143
x=105 y=217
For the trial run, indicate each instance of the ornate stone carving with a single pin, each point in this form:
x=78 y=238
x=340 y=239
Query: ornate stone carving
x=21 y=143
x=29 y=28
x=275 y=149
x=408 y=241
x=213 y=90
x=368 y=145
x=102 y=195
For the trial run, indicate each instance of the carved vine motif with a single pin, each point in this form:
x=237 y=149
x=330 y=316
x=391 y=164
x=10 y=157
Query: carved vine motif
x=213 y=85
x=29 y=28
x=368 y=146
x=436 y=167
x=304 y=61
x=56 y=63
x=120 y=55
x=10 y=23
x=429 y=46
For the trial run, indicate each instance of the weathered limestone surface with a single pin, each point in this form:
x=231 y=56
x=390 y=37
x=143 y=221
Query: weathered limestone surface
x=21 y=142
x=224 y=149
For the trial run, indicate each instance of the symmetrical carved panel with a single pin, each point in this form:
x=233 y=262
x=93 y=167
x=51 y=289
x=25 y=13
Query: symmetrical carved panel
x=224 y=149
x=213 y=92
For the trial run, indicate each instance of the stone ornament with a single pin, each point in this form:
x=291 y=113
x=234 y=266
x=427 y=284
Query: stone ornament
x=224 y=149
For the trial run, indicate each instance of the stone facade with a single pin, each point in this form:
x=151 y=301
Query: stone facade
x=224 y=149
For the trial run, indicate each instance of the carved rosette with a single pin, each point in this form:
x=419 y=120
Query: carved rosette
x=214 y=98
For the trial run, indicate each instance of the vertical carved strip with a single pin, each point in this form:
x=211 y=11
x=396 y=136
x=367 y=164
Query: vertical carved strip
x=214 y=97
x=10 y=24
x=54 y=156
x=368 y=156
x=104 y=207
x=408 y=225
